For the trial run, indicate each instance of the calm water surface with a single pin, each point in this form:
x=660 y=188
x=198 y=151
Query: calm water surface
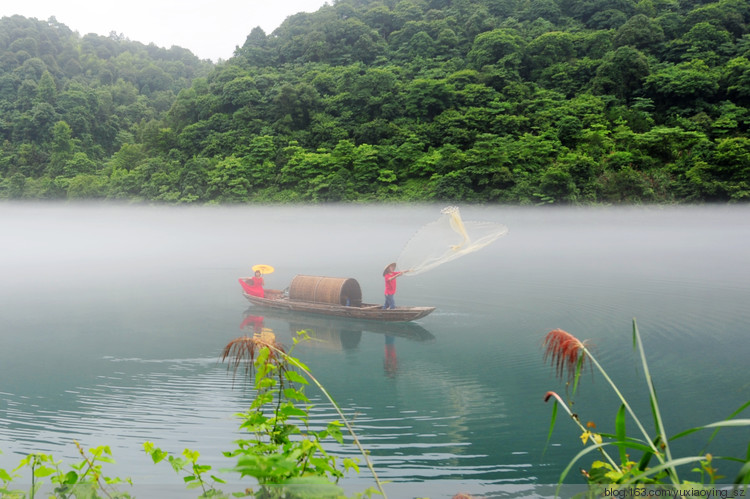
x=112 y=320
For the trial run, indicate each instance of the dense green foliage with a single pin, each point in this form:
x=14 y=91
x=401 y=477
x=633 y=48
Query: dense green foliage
x=473 y=100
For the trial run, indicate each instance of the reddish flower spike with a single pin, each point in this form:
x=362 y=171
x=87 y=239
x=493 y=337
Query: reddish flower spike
x=563 y=349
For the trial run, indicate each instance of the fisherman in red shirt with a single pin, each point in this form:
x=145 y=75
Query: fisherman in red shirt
x=390 y=275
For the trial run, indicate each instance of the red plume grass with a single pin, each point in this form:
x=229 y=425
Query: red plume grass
x=245 y=348
x=564 y=351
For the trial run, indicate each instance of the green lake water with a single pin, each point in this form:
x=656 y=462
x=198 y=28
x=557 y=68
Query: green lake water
x=113 y=319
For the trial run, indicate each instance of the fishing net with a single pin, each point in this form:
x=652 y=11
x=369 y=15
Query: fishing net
x=446 y=239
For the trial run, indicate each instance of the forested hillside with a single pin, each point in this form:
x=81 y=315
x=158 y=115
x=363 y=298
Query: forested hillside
x=512 y=101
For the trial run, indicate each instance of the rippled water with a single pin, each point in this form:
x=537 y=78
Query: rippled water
x=113 y=319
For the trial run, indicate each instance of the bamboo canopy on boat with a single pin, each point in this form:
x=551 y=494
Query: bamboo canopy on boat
x=319 y=289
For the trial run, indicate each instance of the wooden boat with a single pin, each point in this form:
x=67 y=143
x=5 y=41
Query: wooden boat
x=334 y=296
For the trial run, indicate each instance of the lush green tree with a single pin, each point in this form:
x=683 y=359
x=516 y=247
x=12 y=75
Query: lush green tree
x=665 y=144
x=229 y=181
x=87 y=186
x=79 y=164
x=527 y=102
x=640 y=32
x=426 y=98
x=556 y=184
x=680 y=82
x=551 y=48
x=736 y=79
x=626 y=185
x=621 y=73
x=128 y=157
x=13 y=187
x=46 y=89
x=704 y=41
x=497 y=47
x=731 y=168
x=452 y=186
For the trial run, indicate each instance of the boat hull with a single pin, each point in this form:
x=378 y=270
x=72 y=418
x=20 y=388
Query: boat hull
x=364 y=312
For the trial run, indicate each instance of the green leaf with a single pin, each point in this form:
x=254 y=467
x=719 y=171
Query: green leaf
x=43 y=471
x=201 y=468
x=658 y=421
x=579 y=368
x=334 y=431
x=262 y=399
x=177 y=463
x=731 y=416
x=289 y=410
x=629 y=443
x=744 y=474
x=620 y=431
x=294 y=394
x=297 y=363
x=572 y=463
x=646 y=458
x=551 y=426
x=191 y=455
x=158 y=455
x=732 y=422
x=264 y=383
x=667 y=466
x=295 y=377
x=262 y=467
x=350 y=464
x=602 y=473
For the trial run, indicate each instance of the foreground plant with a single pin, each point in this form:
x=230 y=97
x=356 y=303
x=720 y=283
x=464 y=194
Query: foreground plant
x=569 y=356
x=85 y=479
x=194 y=473
x=281 y=452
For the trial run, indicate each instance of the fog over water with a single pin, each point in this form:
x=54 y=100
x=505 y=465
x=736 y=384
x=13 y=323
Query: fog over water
x=112 y=319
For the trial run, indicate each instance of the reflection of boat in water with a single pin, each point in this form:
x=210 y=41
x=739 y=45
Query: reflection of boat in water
x=337 y=330
x=336 y=333
x=332 y=296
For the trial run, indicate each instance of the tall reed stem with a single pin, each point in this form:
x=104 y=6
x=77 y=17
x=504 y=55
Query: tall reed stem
x=577 y=421
x=294 y=362
x=622 y=399
x=568 y=353
x=654 y=404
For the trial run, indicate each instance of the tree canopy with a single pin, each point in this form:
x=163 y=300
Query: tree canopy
x=547 y=101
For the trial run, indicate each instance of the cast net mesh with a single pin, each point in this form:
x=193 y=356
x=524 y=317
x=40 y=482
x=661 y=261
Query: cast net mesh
x=446 y=239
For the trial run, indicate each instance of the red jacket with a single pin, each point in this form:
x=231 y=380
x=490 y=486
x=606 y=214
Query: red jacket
x=254 y=289
x=390 y=282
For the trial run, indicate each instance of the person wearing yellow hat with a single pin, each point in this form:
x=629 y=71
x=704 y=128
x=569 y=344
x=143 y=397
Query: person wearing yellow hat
x=253 y=285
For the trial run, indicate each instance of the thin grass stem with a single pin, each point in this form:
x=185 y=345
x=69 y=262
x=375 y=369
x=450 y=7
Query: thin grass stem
x=292 y=361
x=655 y=404
x=559 y=401
x=619 y=394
